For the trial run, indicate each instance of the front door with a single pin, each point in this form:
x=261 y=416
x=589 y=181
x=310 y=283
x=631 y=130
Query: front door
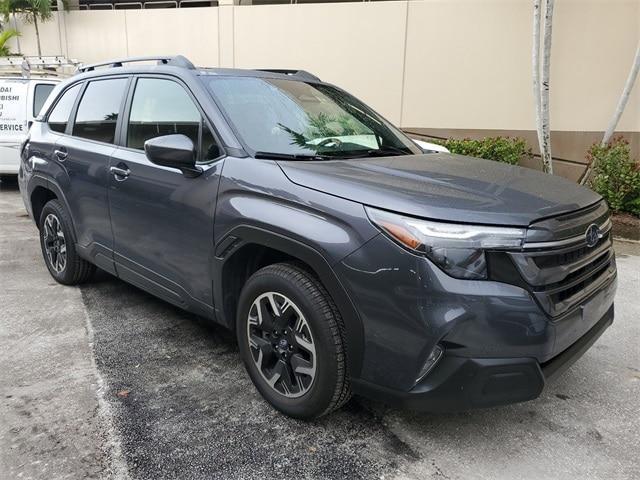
x=162 y=220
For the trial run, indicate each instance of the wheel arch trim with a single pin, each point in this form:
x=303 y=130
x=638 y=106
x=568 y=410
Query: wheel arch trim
x=39 y=180
x=249 y=234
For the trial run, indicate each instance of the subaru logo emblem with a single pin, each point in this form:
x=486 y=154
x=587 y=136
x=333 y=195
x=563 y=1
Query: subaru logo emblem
x=592 y=235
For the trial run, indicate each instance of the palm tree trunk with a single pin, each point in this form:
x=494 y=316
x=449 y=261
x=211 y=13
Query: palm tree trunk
x=547 y=161
x=15 y=27
x=35 y=23
x=624 y=98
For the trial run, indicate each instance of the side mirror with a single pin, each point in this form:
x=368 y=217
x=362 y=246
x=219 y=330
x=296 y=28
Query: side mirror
x=175 y=151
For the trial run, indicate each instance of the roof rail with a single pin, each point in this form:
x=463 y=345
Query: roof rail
x=176 y=61
x=46 y=64
x=283 y=71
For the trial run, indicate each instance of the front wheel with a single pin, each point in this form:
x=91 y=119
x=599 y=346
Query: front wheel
x=290 y=335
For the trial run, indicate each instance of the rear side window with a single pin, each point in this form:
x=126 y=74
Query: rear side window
x=59 y=116
x=99 y=109
x=161 y=107
x=40 y=94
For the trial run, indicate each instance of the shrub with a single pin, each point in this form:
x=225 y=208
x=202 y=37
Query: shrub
x=502 y=149
x=616 y=176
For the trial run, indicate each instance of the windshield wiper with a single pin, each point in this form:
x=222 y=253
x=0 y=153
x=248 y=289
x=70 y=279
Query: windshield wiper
x=390 y=149
x=288 y=156
x=382 y=152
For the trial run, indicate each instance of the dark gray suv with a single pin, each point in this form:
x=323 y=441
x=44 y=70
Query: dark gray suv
x=346 y=259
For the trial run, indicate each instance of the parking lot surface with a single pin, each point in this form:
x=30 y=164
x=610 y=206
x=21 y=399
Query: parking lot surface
x=105 y=381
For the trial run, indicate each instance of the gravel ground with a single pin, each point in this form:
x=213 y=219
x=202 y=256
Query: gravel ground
x=105 y=381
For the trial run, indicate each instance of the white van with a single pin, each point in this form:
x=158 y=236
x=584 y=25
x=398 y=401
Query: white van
x=25 y=84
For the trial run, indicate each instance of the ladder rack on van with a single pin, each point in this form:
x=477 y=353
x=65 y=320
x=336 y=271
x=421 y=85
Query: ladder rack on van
x=24 y=65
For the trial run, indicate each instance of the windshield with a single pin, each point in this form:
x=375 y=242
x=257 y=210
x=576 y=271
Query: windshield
x=290 y=118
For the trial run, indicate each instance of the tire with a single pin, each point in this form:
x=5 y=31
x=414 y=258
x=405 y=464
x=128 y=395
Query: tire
x=58 y=247
x=313 y=333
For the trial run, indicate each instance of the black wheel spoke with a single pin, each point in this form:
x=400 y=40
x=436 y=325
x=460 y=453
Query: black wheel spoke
x=265 y=348
x=302 y=343
x=285 y=319
x=285 y=376
x=266 y=320
x=300 y=366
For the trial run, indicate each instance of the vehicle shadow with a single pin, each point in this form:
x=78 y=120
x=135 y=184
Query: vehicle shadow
x=185 y=406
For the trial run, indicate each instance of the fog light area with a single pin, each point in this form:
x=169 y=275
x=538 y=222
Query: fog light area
x=433 y=358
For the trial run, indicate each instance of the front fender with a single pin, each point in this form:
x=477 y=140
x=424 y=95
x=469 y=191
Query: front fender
x=247 y=234
x=257 y=204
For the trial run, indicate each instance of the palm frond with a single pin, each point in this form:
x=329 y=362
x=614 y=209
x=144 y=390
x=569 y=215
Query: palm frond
x=5 y=36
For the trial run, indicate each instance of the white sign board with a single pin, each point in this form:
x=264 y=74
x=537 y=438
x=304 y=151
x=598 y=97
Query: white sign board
x=13 y=108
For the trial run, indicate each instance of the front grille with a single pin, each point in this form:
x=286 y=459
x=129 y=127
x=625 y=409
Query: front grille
x=553 y=260
x=562 y=273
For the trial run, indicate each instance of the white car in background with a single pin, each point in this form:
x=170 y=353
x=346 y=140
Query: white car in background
x=430 y=147
x=25 y=84
x=370 y=141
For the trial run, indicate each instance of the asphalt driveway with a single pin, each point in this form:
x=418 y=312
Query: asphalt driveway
x=105 y=381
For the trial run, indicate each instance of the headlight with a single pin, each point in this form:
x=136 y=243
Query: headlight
x=456 y=248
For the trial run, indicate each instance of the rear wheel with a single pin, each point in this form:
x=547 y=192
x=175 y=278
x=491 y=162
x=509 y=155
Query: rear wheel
x=291 y=341
x=58 y=248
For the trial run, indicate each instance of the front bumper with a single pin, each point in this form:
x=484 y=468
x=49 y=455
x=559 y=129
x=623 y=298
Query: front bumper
x=462 y=383
x=498 y=340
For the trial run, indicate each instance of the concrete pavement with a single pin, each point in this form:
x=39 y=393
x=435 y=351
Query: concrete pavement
x=105 y=381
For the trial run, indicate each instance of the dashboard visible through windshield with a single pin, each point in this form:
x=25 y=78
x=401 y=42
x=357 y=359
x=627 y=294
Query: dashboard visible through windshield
x=281 y=118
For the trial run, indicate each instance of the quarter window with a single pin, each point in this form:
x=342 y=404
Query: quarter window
x=163 y=107
x=59 y=116
x=210 y=149
x=99 y=109
x=40 y=94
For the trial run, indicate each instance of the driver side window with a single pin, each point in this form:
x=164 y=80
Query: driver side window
x=163 y=107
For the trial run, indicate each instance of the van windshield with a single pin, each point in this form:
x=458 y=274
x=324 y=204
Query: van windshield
x=290 y=118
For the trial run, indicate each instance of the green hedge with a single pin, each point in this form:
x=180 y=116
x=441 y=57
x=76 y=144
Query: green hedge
x=616 y=176
x=502 y=149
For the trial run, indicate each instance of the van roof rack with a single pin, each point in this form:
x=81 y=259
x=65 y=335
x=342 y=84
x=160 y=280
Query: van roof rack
x=47 y=64
x=298 y=73
x=176 y=61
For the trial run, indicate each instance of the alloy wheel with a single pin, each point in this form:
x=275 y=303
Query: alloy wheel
x=54 y=243
x=281 y=344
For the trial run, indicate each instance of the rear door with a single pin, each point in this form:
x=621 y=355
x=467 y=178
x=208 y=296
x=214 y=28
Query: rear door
x=83 y=153
x=163 y=221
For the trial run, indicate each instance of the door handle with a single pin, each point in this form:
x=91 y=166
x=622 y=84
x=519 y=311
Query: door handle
x=120 y=174
x=61 y=154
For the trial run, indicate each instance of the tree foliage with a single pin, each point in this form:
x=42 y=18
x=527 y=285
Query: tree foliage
x=616 y=176
x=501 y=149
x=5 y=36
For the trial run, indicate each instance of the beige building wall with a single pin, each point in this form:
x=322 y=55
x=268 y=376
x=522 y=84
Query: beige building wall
x=469 y=64
x=150 y=33
x=358 y=46
x=435 y=67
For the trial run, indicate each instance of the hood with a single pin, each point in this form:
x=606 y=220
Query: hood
x=445 y=187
